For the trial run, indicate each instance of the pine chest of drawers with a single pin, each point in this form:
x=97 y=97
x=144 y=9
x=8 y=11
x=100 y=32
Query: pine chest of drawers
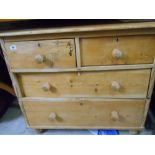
x=85 y=77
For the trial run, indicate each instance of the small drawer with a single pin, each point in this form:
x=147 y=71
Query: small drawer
x=118 y=84
x=41 y=54
x=125 y=50
x=86 y=114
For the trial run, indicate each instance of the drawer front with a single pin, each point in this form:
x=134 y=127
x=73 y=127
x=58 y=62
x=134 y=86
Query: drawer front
x=124 y=84
x=41 y=54
x=85 y=114
x=117 y=50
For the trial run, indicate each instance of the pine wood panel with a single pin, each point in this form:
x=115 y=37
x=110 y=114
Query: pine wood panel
x=89 y=28
x=85 y=69
x=89 y=114
x=81 y=35
x=57 y=53
x=135 y=50
x=133 y=83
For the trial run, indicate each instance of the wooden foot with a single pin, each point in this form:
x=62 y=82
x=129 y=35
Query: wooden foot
x=134 y=132
x=40 y=130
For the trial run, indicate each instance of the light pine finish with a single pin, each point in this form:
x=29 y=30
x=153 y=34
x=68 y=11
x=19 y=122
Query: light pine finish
x=90 y=34
x=117 y=50
x=72 y=99
x=133 y=132
x=41 y=54
x=132 y=84
x=146 y=111
x=152 y=81
x=98 y=77
x=78 y=56
x=84 y=69
x=40 y=130
x=85 y=114
x=92 y=28
x=115 y=116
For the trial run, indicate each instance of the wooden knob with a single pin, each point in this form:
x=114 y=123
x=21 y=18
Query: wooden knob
x=46 y=86
x=114 y=115
x=115 y=85
x=52 y=116
x=116 y=53
x=39 y=58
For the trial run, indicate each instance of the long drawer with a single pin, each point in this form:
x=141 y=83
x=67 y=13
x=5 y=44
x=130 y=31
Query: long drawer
x=121 y=114
x=117 y=50
x=41 y=54
x=121 y=84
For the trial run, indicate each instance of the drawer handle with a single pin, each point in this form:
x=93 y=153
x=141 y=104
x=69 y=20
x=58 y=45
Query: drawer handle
x=115 y=85
x=39 y=58
x=46 y=86
x=114 y=116
x=52 y=116
x=116 y=53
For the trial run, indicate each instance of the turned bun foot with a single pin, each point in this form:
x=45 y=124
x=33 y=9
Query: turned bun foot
x=40 y=130
x=134 y=132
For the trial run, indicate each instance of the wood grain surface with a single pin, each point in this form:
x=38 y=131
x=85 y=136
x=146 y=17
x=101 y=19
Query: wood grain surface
x=85 y=114
x=56 y=53
x=133 y=84
x=135 y=50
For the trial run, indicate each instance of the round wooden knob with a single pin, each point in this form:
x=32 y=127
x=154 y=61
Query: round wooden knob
x=46 y=86
x=52 y=116
x=39 y=58
x=114 y=115
x=115 y=85
x=116 y=53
